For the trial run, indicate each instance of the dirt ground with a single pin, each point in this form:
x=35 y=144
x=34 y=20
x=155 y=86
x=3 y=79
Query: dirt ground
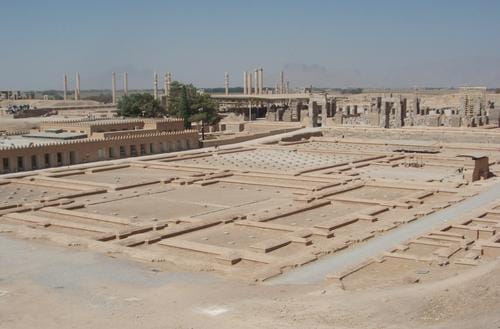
x=11 y=124
x=43 y=103
x=7 y=123
x=45 y=286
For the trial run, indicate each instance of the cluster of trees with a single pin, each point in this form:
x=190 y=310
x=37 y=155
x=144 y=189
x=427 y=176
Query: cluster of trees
x=232 y=90
x=101 y=98
x=351 y=91
x=140 y=105
x=185 y=102
x=53 y=94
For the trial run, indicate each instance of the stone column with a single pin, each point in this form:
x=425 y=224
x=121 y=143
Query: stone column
x=261 y=80
x=250 y=83
x=313 y=114
x=398 y=117
x=324 y=112
x=282 y=82
x=245 y=80
x=169 y=83
x=155 y=86
x=256 y=83
x=77 y=88
x=165 y=78
x=65 y=87
x=125 y=83
x=226 y=83
x=113 y=87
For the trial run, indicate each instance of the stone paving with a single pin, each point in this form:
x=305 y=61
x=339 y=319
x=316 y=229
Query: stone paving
x=252 y=212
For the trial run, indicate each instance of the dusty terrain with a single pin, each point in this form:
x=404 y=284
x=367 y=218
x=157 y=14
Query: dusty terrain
x=200 y=239
x=44 y=286
x=40 y=103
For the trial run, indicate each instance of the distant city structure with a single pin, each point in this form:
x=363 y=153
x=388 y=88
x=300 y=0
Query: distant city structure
x=398 y=111
x=324 y=109
x=16 y=94
x=96 y=136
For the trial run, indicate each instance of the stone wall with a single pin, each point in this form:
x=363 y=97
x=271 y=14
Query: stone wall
x=34 y=113
x=398 y=111
x=90 y=127
x=95 y=149
x=238 y=138
x=415 y=134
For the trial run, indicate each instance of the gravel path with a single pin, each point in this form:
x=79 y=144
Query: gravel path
x=316 y=271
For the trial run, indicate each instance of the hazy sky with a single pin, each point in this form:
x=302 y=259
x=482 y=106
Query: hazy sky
x=331 y=43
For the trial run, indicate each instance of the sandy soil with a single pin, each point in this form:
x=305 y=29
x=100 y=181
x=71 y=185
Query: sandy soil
x=44 y=286
x=50 y=103
x=11 y=124
x=8 y=123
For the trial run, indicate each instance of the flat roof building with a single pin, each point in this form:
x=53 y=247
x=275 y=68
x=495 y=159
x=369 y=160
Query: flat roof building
x=67 y=142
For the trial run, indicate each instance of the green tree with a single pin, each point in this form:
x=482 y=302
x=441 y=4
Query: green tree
x=101 y=98
x=187 y=103
x=140 y=105
x=184 y=110
x=53 y=94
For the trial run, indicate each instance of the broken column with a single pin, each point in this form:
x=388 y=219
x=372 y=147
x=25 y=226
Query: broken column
x=324 y=111
x=313 y=114
x=399 y=107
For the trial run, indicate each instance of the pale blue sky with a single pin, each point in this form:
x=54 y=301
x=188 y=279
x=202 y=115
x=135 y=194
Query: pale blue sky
x=323 y=43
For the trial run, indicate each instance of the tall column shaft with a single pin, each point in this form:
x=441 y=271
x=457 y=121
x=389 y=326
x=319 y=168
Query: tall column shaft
x=261 y=80
x=65 y=87
x=169 y=83
x=256 y=82
x=245 y=80
x=250 y=83
x=77 y=87
x=155 y=87
x=324 y=111
x=113 y=87
x=125 y=83
x=226 y=83
x=165 y=87
x=282 y=82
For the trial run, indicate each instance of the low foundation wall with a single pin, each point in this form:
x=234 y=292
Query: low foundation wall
x=436 y=135
x=243 y=138
x=34 y=113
